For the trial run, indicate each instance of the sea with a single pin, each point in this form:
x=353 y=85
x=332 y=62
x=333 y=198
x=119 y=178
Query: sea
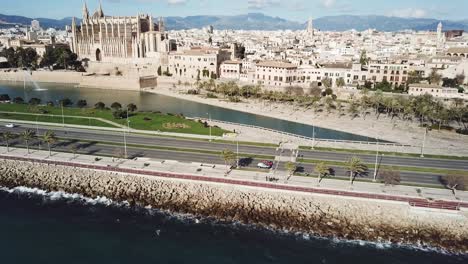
x=56 y=227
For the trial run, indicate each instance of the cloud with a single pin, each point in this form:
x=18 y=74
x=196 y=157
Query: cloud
x=409 y=12
x=328 y=3
x=261 y=4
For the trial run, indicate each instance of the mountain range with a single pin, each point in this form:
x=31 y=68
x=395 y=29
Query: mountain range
x=259 y=21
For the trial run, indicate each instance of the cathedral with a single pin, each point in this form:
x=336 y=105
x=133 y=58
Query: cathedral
x=120 y=39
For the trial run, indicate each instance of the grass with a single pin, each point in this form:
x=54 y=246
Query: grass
x=56 y=119
x=139 y=120
x=388 y=153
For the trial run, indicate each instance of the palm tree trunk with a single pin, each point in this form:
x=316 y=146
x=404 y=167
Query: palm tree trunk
x=50 y=152
x=351 y=177
x=27 y=146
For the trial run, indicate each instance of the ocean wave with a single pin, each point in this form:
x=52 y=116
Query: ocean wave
x=63 y=196
x=195 y=219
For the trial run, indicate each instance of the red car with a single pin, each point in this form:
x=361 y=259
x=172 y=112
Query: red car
x=265 y=164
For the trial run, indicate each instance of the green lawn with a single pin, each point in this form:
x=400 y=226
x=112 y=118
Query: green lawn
x=55 y=119
x=138 y=120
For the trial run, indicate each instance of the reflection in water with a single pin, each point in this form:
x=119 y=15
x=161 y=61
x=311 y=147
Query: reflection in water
x=154 y=102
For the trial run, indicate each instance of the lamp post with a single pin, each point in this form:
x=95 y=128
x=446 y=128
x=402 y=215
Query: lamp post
x=376 y=161
x=237 y=148
x=209 y=125
x=63 y=116
x=313 y=137
x=423 y=143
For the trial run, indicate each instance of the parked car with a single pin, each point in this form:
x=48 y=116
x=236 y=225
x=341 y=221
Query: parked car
x=10 y=125
x=265 y=164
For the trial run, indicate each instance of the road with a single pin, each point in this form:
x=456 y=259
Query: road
x=148 y=140
x=90 y=147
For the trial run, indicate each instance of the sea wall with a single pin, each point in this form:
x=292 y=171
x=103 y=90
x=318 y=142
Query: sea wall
x=42 y=76
x=133 y=82
x=329 y=216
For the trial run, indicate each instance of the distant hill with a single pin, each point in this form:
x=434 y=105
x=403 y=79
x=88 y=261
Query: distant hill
x=259 y=21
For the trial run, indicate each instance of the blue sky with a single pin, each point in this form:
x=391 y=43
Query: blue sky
x=298 y=10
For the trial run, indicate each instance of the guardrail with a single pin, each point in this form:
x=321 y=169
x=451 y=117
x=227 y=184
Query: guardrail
x=415 y=202
x=304 y=137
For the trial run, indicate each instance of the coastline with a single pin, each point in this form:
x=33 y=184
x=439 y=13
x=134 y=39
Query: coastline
x=346 y=218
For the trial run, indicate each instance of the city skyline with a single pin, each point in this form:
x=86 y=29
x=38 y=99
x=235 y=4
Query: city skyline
x=297 y=10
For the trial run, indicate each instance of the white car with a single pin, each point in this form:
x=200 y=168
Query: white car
x=10 y=125
x=266 y=164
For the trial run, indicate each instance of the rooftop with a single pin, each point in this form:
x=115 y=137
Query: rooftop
x=276 y=64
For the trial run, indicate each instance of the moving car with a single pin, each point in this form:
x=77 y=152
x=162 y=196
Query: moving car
x=10 y=125
x=265 y=164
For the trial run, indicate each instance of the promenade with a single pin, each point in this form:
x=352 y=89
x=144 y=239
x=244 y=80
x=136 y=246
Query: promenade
x=417 y=197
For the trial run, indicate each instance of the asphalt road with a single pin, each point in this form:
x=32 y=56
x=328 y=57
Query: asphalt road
x=94 y=148
x=149 y=140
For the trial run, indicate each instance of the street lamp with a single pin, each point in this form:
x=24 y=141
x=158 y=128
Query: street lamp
x=313 y=137
x=237 y=155
x=423 y=143
x=376 y=161
x=63 y=116
x=209 y=124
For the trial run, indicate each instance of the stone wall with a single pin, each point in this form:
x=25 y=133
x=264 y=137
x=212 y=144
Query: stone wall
x=95 y=81
x=42 y=76
x=319 y=215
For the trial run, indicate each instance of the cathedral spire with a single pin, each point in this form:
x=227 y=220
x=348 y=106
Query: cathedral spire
x=100 y=11
x=85 y=11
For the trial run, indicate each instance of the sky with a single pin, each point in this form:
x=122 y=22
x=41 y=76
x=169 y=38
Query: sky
x=296 y=10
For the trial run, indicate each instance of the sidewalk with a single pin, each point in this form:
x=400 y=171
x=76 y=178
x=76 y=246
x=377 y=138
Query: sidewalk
x=216 y=173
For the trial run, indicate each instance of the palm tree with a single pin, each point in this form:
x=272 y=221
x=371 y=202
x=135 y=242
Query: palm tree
x=321 y=169
x=7 y=136
x=355 y=167
x=74 y=149
x=49 y=138
x=228 y=156
x=27 y=136
x=291 y=167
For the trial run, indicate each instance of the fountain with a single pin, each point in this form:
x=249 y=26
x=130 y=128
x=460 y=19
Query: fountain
x=30 y=79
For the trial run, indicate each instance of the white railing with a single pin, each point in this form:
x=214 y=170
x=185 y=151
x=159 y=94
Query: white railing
x=304 y=137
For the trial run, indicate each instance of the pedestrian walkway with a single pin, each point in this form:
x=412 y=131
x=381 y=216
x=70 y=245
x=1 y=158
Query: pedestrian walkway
x=415 y=196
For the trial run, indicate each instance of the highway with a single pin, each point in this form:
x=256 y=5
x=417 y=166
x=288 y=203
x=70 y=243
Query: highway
x=149 y=140
x=90 y=147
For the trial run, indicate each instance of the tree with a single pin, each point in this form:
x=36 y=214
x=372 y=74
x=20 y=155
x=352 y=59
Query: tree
x=460 y=79
x=291 y=167
x=65 y=102
x=322 y=169
x=118 y=154
x=4 y=98
x=327 y=82
x=454 y=182
x=116 y=106
x=81 y=103
x=35 y=101
x=390 y=177
x=340 y=82
x=132 y=107
x=363 y=59
x=49 y=138
x=355 y=167
x=74 y=149
x=100 y=106
x=27 y=136
x=434 y=77
x=228 y=156
x=159 y=71
x=7 y=136
x=18 y=100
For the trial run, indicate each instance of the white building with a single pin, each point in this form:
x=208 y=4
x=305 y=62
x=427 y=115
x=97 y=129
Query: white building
x=35 y=25
x=435 y=90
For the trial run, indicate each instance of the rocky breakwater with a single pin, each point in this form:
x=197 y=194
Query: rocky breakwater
x=319 y=215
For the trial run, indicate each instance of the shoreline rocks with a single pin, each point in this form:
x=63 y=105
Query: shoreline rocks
x=327 y=216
